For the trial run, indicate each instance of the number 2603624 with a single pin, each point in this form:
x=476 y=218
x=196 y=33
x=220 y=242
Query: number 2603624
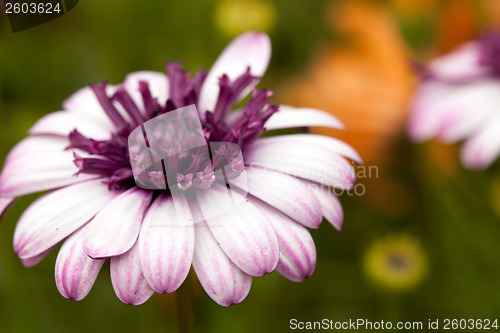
x=32 y=8
x=470 y=324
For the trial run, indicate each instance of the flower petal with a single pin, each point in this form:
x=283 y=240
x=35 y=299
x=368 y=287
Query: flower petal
x=56 y=215
x=5 y=203
x=302 y=159
x=332 y=145
x=483 y=148
x=63 y=123
x=85 y=103
x=330 y=204
x=244 y=233
x=444 y=110
x=286 y=193
x=428 y=110
x=38 y=164
x=75 y=271
x=30 y=262
x=158 y=85
x=297 y=250
x=459 y=66
x=250 y=49
x=116 y=227
x=166 y=244
x=128 y=281
x=225 y=283
x=290 y=117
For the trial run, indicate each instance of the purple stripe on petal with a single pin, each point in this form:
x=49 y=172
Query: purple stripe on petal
x=330 y=204
x=30 y=262
x=56 y=215
x=116 y=227
x=166 y=244
x=75 y=271
x=225 y=283
x=244 y=233
x=297 y=250
x=127 y=278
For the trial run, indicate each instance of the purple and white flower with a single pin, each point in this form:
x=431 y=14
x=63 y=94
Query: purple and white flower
x=94 y=207
x=459 y=100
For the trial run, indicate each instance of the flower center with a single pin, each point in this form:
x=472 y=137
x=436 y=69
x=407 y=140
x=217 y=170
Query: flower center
x=193 y=167
x=397 y=262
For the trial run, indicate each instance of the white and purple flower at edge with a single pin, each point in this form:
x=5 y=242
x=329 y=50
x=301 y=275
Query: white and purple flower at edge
x=459 y=100
x=105 y=201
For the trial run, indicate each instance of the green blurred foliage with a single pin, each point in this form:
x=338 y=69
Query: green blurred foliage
x=99 y=40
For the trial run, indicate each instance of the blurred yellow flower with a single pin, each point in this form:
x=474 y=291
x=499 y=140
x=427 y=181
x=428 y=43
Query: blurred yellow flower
x=396 y=262
x=236 y=16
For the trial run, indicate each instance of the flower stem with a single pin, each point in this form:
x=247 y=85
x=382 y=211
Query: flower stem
x=183 y=306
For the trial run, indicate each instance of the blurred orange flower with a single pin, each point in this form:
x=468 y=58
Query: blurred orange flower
x=367 y=84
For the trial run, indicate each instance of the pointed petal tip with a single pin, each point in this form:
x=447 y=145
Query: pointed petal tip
x=338 y=225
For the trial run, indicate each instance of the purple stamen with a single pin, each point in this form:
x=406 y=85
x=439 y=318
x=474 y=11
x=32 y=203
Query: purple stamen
x=152 y=107
x=96 y=166
x=243 y=83
x=179 y=83
x=128 y=104
x=107 y=105
x=194 y=169
x=199 y=79
x=225 y=100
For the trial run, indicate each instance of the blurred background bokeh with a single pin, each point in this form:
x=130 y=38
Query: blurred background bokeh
x=421 y=243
